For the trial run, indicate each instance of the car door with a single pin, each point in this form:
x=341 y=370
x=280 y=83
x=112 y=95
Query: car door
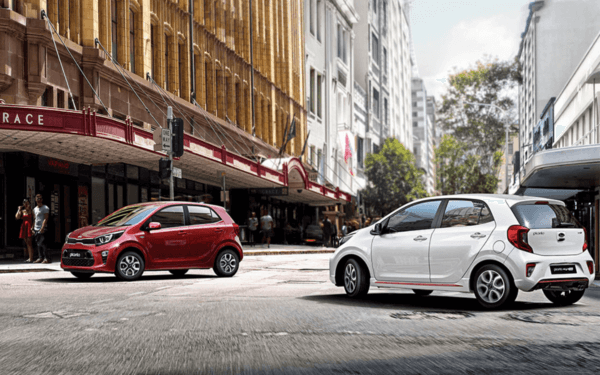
x=401 y=252
x=169 y=244
x=464 y=229
x=204 y=231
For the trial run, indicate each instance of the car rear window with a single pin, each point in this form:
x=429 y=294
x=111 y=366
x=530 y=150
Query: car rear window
x=544 y=216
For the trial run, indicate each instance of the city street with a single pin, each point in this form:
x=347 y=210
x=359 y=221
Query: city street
x=279 y=314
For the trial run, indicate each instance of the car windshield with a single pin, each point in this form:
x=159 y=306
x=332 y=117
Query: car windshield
x=129 y=215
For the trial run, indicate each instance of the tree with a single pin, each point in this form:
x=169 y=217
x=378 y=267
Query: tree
x=393 y=177
x=481 y=127
x=460 y=172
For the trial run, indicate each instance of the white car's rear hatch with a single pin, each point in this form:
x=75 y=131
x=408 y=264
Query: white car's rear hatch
x=552 y=228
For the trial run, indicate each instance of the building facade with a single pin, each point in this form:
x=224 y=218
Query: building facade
x=424 y=133
x=382 y=69
x=557 y=33
x=81 y=95
x=329 y=81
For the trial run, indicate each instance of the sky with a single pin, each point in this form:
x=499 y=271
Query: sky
x=450 y=34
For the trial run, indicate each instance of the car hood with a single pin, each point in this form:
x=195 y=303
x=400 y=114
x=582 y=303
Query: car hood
x=93 y=232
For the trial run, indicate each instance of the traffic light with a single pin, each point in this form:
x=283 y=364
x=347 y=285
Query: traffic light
x=164 y=168
x=177 y=137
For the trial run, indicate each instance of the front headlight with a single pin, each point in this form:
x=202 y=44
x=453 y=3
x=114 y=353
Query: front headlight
x=346 y=238
x=103 y=240
x=67 y=237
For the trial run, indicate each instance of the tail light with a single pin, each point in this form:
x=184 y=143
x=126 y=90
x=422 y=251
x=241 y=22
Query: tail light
x=590 y=265
x=585 y=244
x=529 y=269
x=517 y=235
x=236 y=229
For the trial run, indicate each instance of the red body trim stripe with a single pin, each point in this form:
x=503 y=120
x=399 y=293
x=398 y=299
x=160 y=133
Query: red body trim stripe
x=423 y=284
x=561 y=280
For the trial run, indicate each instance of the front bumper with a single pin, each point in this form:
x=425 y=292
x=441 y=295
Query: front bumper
x=90 y=259
x=542 y=276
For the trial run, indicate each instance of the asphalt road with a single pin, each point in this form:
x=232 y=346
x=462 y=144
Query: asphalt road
x=280 y=314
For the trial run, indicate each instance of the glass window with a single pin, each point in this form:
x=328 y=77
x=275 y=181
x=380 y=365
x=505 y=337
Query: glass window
x=129 y=215
x=465 y=213
x=169 y=217
x=544 y=216
x=132 y=194
x=416 y=217
x=460 y=214
x=202 y=215
x=132 y=40
x=114 y=28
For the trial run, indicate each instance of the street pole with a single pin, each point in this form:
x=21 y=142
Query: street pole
x=170 y=122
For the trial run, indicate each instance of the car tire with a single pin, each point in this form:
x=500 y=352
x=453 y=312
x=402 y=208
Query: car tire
x=563 y=297
x=178 y=273
x=227 y=263
x=129 y=266
x=494 y=287
x=82 y=275
x=356 y=281
x=421 y=292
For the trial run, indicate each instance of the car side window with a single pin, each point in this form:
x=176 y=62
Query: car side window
x=463 y=213
x=416 y=217
x=485 y=216
x=202 y=215
x=169 y=217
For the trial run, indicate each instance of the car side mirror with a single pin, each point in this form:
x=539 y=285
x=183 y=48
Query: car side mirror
x=376 y=231
x=154 y=225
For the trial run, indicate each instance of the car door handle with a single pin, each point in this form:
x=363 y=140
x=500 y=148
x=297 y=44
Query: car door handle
x=218 y=230
x=420 y=238
x=477 y=235
x=182 y=232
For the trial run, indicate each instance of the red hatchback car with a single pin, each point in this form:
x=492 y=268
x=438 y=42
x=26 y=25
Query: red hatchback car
x=173 y=236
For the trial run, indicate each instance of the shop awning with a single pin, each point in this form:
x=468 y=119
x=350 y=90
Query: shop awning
x=87 y=138
x=564 y=168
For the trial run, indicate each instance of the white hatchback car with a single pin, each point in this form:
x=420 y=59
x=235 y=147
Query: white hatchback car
x=491 y=245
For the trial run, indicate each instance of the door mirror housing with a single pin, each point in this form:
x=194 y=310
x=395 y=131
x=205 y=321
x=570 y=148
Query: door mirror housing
x=377 y=229
x=154 y=225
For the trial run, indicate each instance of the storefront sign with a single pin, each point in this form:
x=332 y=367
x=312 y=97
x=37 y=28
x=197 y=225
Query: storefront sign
x=57 y=166
x=23 y=118
x=270 y=191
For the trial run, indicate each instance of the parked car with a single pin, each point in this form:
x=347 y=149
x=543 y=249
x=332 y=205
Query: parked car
x=490 y=245
x=313 y=234
x=173 y=236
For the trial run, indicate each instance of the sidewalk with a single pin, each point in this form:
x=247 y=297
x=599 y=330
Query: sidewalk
x=18 y=265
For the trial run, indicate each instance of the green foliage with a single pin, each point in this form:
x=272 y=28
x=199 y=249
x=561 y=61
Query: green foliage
x=393 y=178
x=481 y=127
x=459 y=172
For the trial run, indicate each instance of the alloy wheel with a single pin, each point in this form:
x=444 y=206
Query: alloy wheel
x=228 y=262
x=350 y=278
x=130 y=265
x=491 y=286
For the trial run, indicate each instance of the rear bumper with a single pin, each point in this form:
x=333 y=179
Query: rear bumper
x=563 y=284
x=542 y=276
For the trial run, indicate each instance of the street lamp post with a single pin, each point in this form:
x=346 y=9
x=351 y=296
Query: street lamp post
x=506 y=128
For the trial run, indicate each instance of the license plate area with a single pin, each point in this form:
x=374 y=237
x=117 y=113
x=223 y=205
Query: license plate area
x=563 y=269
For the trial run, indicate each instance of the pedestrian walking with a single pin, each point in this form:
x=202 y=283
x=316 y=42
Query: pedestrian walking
x=334 y=235
x=40 y=213
x=267 y=225
x=252 y=227
x=326 y=231
x=25 y=213
x=345 y=229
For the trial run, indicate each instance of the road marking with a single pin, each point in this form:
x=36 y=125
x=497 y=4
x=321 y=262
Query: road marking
x=136 y=293
x=163 y=287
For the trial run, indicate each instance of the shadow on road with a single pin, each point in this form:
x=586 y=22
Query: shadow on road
x=107 y=278
x=395 y=301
